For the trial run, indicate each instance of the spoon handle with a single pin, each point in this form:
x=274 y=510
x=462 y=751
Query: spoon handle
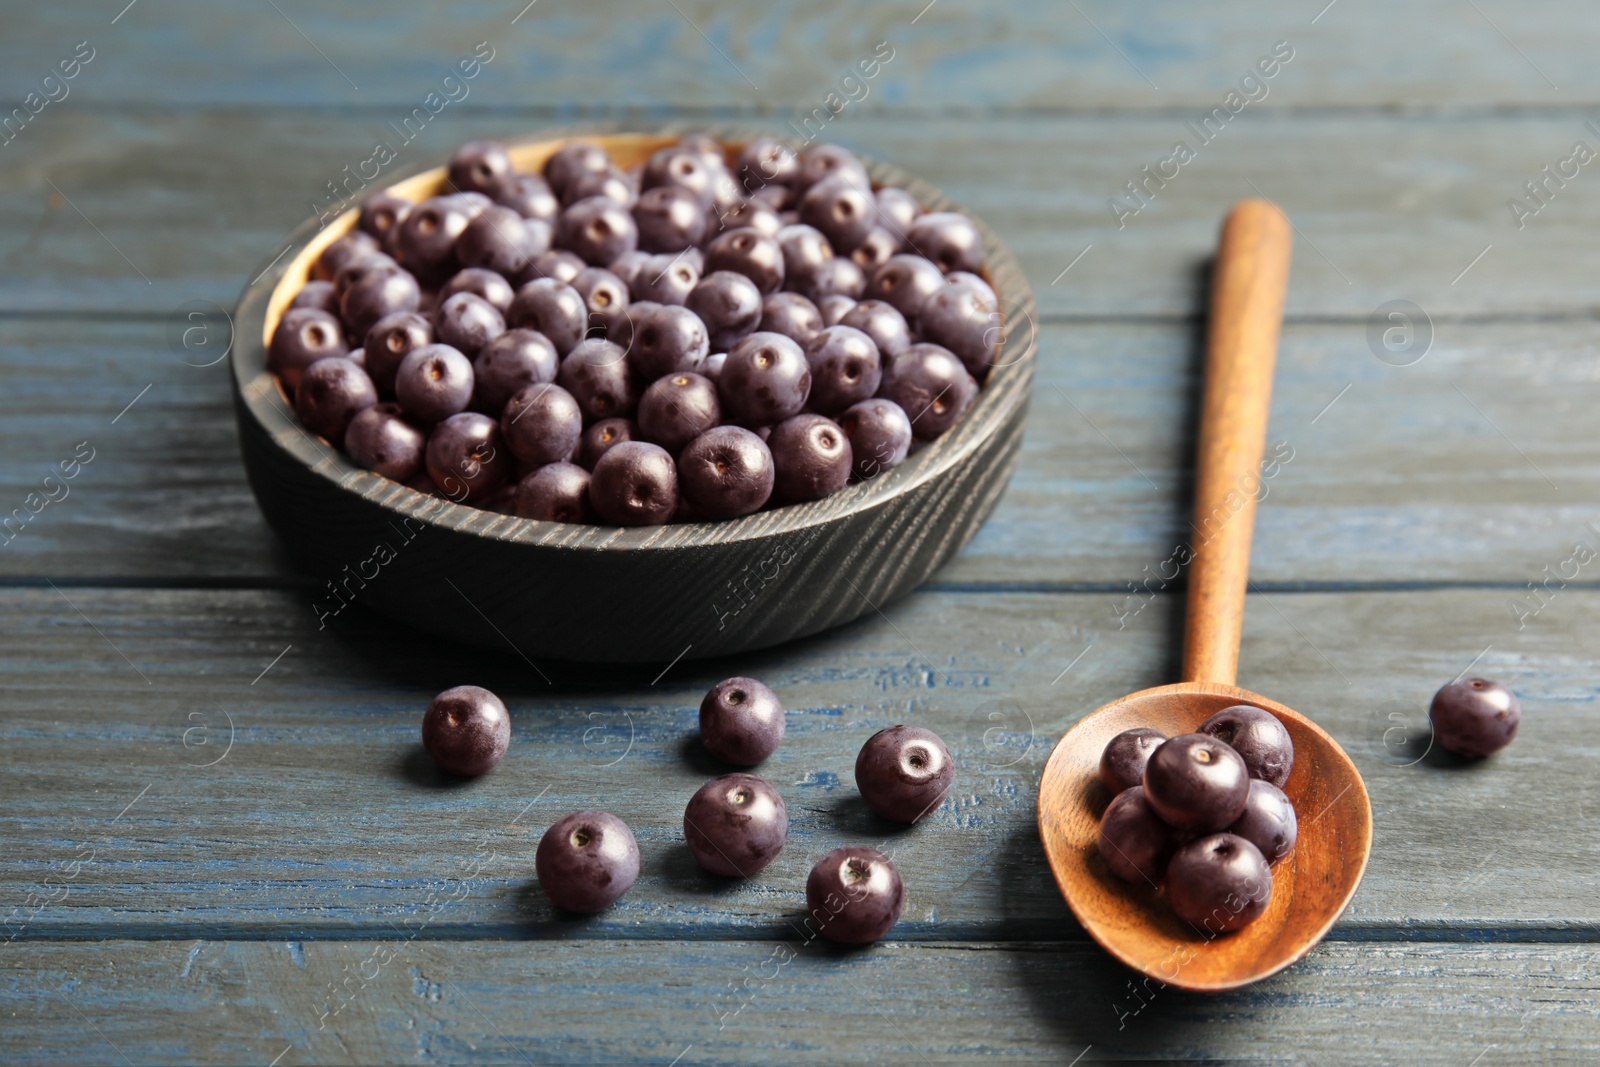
x=1247 y=291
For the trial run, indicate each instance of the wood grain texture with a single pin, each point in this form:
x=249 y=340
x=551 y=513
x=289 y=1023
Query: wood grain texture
x=960 y=55
x=1310 y=887
x=605 y=594
x=322 y=820
x=1401 y=223
x=1400 y=480
x=1248 y=283
x=766 y=1002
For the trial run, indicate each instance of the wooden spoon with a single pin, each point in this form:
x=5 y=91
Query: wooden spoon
x=1313 y=884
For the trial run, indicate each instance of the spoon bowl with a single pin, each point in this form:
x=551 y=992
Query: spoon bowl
x=1310 y=886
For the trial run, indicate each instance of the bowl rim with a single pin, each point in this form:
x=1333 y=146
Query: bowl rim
x=263 y=301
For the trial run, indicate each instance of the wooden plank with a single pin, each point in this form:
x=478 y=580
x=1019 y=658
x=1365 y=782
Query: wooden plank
x=958 y=54
x=323 y=819
x=1407 y=457
x=1405 y=214
x=745 y=1002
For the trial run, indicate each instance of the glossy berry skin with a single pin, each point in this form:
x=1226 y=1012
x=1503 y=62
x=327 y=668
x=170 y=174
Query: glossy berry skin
x=1123 y=761
x=804 y=250
x=663 y=339
x=601 y=437
x=750 y=252
x=949 y=239
x=682 y=166
x=425 y=243
x=466 y=730
x=553 y=308
x=844 y=211
x=612 y=184
x=529 y=195
x=597 y=229
x=603 y=294
x=1219 y=883
x=845 y=369
x=904 y=772
x=1475 y=716
x=542 y=424
x=1258 y=737
x=879 y=434
x=573 y=160
x=729 y=304
x=1268 y=822
x=380 y=440
x=792 y=315
x=670 y=218
x=634 y=484
x=351 y=246
x=711 y=369
x=485 y=283
x=331 y=393
x=303 y=336
x=596 y=374
x=557 y=263
x=764 y=380
x=905 y=281
x=876 y=248
x=811 y=457
x=586 y=861
x=741 y=721
x=820 y=161
x=381 y=214
x=391 y=339
x=502 y=241
x=753 y=214
x=1196 y=783
x=897 y=209
x=735 y=825
x=955 y=317
x=765 y=161
x=467 y=322
x=556 y=492
x=515 y=359
x=725 y=472
x=375 y=297
x=676 y=409
x=981 y=291
x=664 y=279
x=481 y=167
x=834 y=308
x=433 y=382
x=467 y=457
x=1133 y=840
x=932 y=386
x=321 y=295
x=836 y=277
x=883 y=323
x=854 y=896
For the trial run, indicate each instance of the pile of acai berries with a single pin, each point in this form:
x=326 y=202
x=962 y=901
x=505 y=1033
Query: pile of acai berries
x=1203 y=813
x=691 y=339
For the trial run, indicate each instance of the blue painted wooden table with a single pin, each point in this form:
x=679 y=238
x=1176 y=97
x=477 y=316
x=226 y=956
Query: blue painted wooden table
x=220 y=843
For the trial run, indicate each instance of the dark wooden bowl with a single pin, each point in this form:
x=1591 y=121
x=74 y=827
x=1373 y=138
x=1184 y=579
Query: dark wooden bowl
x=597 y=593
